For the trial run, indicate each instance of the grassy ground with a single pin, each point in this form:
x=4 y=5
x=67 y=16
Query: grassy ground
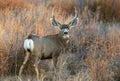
x=94 y=53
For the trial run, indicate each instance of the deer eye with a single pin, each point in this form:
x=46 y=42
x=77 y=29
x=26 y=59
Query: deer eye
x=65 y=27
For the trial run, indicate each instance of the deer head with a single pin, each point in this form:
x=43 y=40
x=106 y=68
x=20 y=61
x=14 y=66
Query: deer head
x=64 y=28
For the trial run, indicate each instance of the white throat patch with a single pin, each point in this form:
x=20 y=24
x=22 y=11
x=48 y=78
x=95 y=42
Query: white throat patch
x=66 y=36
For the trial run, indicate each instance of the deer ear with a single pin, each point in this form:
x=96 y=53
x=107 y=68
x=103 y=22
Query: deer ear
x=73 y=22
x=54 y=22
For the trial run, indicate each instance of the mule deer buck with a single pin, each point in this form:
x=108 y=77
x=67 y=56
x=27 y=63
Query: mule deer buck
x=48 y=46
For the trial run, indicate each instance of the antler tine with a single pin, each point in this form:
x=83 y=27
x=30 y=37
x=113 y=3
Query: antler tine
x=76 y=13
x=53 y=17
x=53 y=12
x=75 y=19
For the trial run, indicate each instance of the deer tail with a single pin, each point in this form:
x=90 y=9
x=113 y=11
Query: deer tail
x=29 y=45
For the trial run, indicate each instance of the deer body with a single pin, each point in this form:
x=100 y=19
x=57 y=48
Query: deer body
x=50 y=46
x=45 y=47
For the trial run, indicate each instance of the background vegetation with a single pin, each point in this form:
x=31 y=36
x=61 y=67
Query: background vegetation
x=94 y=53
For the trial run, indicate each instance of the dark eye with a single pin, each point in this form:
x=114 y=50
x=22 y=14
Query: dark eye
x=65 y=28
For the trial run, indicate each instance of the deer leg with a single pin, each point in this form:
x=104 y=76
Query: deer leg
x=55 y=59
x=36 y=67
x=55 y=62
x=24 y=62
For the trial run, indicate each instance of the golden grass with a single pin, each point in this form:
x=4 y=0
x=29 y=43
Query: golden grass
x=94 y=46
x=12 y=3
x=109 y=10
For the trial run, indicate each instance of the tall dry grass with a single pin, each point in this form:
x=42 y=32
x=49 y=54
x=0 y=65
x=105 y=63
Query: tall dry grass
x=94 y=46
x=13 y=3
x=109 y=10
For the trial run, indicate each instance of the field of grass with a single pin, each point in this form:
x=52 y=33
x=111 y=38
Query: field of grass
x=94 y=53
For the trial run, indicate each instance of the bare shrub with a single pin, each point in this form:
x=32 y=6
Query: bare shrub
x=94 y=46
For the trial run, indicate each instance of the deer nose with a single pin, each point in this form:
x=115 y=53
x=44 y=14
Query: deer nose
x=65 y=32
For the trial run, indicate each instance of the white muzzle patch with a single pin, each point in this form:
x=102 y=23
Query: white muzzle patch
x=66 y=35
x=66 y=30
x=28 y=44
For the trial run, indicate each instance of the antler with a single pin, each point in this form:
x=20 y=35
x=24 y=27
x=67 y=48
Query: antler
x=52 y=19
x=53 y=12
x=76 y=13
x=75 y=19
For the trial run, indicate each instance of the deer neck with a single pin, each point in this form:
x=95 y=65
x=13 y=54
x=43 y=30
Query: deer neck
x=64 y=38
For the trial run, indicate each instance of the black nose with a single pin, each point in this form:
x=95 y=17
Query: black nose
x=65 y=32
